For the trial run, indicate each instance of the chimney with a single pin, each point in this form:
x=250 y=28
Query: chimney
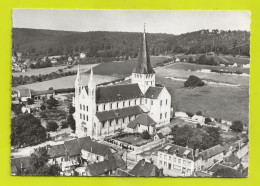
x=196 y=152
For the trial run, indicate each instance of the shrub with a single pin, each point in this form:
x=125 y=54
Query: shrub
x=237 y=126
x=43 y=115
x=193 y=81
x=30 y=101
x=198 y=125
x=43 y=107
x=190 y=114
x=207 y=120
x=64 y=125
x=145 y=135
x=52 y=126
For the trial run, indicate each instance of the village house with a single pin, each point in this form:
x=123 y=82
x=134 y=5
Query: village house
x=176 y=160
x=39 y=95
x=102 y=111
x=146 y=169
x=24 y=94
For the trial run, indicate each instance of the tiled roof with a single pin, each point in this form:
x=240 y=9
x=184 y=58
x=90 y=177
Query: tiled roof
x=143 y=61
x=145 y=169
x=178 y=151
x=42 y=92
x=143 y=119
x=206 y=154
x=18 y=163
x=112 y=163
x=153 y=92
x=25 y=92
x=231 y=160
x=119 y=113
x=56 y=151
x=96 y=148
x=72 y=147
x=118 y=93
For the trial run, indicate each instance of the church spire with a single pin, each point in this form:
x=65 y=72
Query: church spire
x=91 y=82
x=78 y=78
x=143 y=60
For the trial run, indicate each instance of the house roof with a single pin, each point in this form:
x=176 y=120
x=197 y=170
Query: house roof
x=202 y=174
x=145 y=169
x=42 y=92
x=72 y=147
x=217 y=167
x=143 y=61
x=142 y=119
x=206 y=154
x=153 y=92
x=117 y=93
x=56 y=151
x=113 y=162
x=25 y=92
x=18 y=163
x=119 y=113
x=122 y=173
x=178 y=151
x=160 y=135
x=231 y=160
x=96 y=148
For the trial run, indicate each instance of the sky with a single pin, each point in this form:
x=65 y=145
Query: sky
x=172 y=22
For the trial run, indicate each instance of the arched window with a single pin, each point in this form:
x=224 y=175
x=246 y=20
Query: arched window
x=80 y=106
x=104 y=107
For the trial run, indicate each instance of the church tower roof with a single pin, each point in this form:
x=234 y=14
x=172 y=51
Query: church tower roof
x=143 y=61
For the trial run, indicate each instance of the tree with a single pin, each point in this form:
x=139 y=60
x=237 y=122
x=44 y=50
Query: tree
x=190 y=60
x=16 y=108
x=64 y=125
x=145 y=135
x=71 y=122
x=71 y=109
x=237 y=126
x=43 y=107
x=52 y=126
x=207 y=120
x=27 y=130
x=52 y=102
x=193 y=81
x=211 y=138
x=30 y=101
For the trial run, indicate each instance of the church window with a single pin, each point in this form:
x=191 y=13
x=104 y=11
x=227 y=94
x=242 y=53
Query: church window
x=161 y=102
x=166 y=101
x=165 y=114
x=80 y=116
x=161 y=116
x=80 y=106
x=151 y=102
x=87 y=108
x=83 y=116
x=83 y=107
x=87 y=117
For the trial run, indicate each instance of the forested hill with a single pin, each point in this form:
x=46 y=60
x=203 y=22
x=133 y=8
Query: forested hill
x=35 y=42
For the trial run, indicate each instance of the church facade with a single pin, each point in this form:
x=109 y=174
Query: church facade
x=102 y=111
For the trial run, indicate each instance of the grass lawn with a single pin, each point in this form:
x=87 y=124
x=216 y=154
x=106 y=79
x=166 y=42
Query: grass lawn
x=226 y=102
x=133 y=139
x=122 y=69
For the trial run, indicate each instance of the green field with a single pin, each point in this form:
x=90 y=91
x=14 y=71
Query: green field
x=122 y=69
x=226 y=102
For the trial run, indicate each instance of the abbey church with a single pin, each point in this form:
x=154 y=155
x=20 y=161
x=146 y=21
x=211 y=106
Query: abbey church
x=133 y=107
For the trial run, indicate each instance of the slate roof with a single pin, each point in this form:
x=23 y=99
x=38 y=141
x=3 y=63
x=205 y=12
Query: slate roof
x=206 y=154
x=25 y=92
x=56 y=151
x=143 y=61
x=96 y=148
x=18 y=163
x=118 y=93
x=119 y=113
x=217 y=167
x=143 y=119
x=153 y=92
x=178 y=150
x=42 y=92
x=145 y=169
x=113 y=162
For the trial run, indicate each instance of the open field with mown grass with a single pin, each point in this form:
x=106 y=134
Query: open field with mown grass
x=65 y=82
x=49 y=70
x=226 y=102
x=123 y=69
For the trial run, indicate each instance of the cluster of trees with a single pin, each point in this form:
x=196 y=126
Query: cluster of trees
x=21 y=80
x=145 y=135
x=203 y=60
x=196 y=138
x=41 y=64
x=237 y=126
x=114 y=44
x=27 y=130
x=193 y=81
